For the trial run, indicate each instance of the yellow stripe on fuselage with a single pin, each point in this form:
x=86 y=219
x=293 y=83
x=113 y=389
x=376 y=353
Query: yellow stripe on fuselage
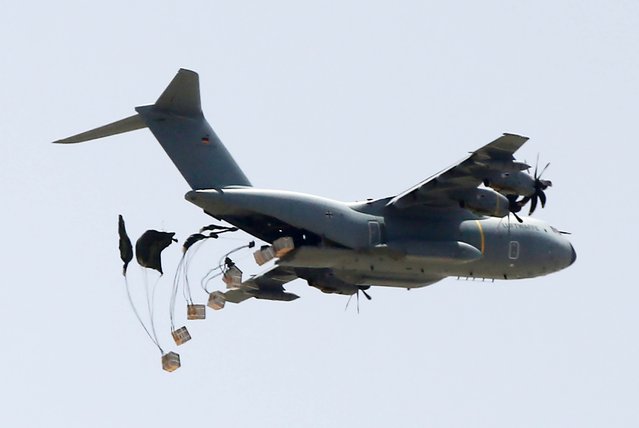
x=483 y=238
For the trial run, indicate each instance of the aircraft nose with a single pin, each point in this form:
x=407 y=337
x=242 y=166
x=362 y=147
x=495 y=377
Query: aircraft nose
x=573 y=255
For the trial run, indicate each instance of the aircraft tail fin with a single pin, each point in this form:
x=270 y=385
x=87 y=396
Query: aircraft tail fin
x=182 y=96
x=177 y=122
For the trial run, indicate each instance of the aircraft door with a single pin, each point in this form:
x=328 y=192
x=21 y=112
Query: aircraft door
x=374 y=233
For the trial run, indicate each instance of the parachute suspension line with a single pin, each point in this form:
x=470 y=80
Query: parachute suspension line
x=188 y=256
x=186 y=291
x=150 y=299
x=174 y=291
x=249 y=245
x=153 y=290
x=214 y=232
x=209 y=277
x=137 y=314
x=190 y=248
x=150 y=302
x=222 y=266
x=181 y=275
x=182 y=269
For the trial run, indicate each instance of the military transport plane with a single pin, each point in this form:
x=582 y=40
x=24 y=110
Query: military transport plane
x=455 y=223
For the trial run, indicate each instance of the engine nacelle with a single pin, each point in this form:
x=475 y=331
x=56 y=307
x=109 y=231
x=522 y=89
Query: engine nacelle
x=485 y=202
x=511 y=183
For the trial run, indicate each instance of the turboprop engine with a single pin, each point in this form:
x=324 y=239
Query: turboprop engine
x=511 y=183
x=519 y=183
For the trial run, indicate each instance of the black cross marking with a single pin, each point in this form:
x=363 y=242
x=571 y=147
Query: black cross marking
x=329 y=214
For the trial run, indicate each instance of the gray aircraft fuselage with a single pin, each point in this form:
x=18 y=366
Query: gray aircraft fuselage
x=372 y=244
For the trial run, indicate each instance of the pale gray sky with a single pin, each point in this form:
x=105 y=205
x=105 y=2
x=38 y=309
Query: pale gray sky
x=347 y=100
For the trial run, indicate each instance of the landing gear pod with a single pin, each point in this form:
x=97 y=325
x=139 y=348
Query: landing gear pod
x=216 y=300
x=170 y=361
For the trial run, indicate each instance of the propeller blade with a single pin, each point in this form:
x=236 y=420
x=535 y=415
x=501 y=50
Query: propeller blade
x=518 y=218
x=348 y=302
x=523 y=202
x=533 y=204
x=357 y=298
x=512 y=203
x=542 y=198
x=514 y=206
x=543 y=170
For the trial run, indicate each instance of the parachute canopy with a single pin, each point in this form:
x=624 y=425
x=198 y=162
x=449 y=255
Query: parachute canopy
x=126 y=249
x=196 y=237
x=150 y=246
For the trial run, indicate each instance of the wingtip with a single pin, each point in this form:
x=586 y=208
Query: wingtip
x=510 y=134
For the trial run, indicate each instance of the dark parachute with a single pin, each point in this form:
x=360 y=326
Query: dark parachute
x=126 y=249
x=196 y=237
x=149 y=247
x=219 y=229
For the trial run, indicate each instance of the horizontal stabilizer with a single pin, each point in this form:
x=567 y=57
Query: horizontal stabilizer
x=125 y=125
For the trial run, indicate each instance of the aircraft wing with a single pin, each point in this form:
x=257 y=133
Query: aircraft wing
x=268 y=286
x=464 y=175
